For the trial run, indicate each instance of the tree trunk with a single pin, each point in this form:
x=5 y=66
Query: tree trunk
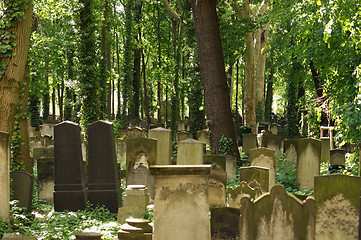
x=14 y=72
x=213 y=72
x=316 y=79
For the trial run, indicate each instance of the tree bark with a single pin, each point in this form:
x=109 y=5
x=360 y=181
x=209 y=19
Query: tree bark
x=14 y=72
x=213 y=72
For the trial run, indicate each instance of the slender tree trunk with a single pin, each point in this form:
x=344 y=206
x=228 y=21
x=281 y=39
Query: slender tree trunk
x=316 y=79
x=213 y=72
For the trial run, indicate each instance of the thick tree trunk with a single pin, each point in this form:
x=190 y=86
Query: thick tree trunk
x=213 y=72
x=14 y=72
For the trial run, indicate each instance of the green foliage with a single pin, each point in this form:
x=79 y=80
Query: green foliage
x=225 y=145
x=350 y=168
x=34 y=111
x=4 y=228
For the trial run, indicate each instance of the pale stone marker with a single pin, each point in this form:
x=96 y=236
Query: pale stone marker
x=4 y=176
x=181 y=136
x=272 y=141
x=308 y=162
x=190 y=152
x=135 y=229
x=235 y=195
x=290 y=148
x=121 y=149
x=337 y=157
x=181 y=202
x=249 y=142
x=274 y=128
x=277 y=215
x=141 y=154
x=264 y=157
x=103 y=169
x=47 y=128
x=202 y=136
x=231 y=166
x=337 y=207
x=217 y=182
x=164 y=141
x=22 y=184
x=69 y=188
x=225 y=223
x=325 y=149
x=255 y=176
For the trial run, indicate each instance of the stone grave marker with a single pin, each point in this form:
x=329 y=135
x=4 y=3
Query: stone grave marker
x=22 y=184
x=103 y=169
x=88 y=236
x=141 y=154
x=231 y=166
x=255 y=176
x=308 y=162
x=4 y=176
x=202 y=136
x=69 y=183
x=225 y=223
x=136 y=132
x=183 y=125
x=272 y=141
x=249 y=142
x=121 y=146
x=47 y=128
x=217 y=182
x=190 y=152
x=45 y=167
x=235 y=195
x=218 y=162
x=337 y=157
x=277 y=215
x=274 y=128
x=337 y=207
x=325 y=149
x=181 y=136
x=164 y=150
x=264 y=157
x=181 y=202
x=135 y=229
x=290 y=148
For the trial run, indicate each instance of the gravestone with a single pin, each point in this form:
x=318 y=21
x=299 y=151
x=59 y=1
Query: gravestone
x=22 y=184
x=121 y=146
x=164 y=150
x=135 y=229
x=123 y=132
x=181 y=202
x=231 y=166
x=183 y=125
x=249 y=142
x=274 y=128
x=202 y=136
x=308 y=162
x=190 y=152
x=47 y=128
x=243 y=189
x=337 y=157
x=69 y=184
x=337 y=207
x=45 y=168
x=88 y=236
x=225 y=223
x=264 y=157
x=103 y=169
x=217 y=182
x=141 y=154
x=181 y=136
x=277 y=215
x=290 y=148
x=255 y=176
x=4 y=176
x=136 y=132
x=272 y=141
x=13 y=236
x=325 y=149
x=218 y=162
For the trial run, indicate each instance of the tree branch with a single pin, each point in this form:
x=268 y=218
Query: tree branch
x=170 y=10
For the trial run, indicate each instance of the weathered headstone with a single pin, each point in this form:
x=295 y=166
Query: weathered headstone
x=47 y=128
x=13 y=236
x=255 y=176
x=243 y=189
x=337 y=207
x=264 y=157
x=225 y=223
x=141 y=154
x=103 y=169
x=308 y=162
x=249 y=142
x=218 y=162
x=272 y=141
x=69 y=183
x=325 y=149
x=164 y=141
x=181 y=136
x=121 y=146
x=135 y=229
x=190 y=152
x=45 y=168
x=290 y=148
x=277 y=215
x=337 y=157
x=136 y=132
x=22 y=184
x=274 y=128
x=217 y=182
x=4 y=176
x=202 y=136
x=181 y=202
x=183 y=125
x=231 y=166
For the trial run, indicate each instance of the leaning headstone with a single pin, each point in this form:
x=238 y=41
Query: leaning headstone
x=264 y=157
x=277 y=215
x=103 y=170
x=4 y=176
x=218 y=162
x=272 y=141
x=135 y=229
x=69 y=184
x=308 y=162
x=181 y=202
x=249 y=142
x=13 y=236
x=88 y=236
x=45 y=168
x=202 y=136
x=217 y=182
x=190 y=152
x=164 y=140
x=225 y=223
x=255 y=176
x=141 y=154
x=337 y=157
x=325 y=149
x=337 y=207
x=22 y=188
x=236 y=194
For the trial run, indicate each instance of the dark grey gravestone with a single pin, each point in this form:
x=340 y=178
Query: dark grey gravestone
x=45 y=168
x=225 y=223
x=22 y=187
x=103 y=169
x=69 y=188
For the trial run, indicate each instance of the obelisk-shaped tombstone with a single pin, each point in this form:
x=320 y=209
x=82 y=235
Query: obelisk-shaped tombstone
x=69 y=186
x=103 y=170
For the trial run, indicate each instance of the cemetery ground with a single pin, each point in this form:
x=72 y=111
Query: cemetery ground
x=45 y=223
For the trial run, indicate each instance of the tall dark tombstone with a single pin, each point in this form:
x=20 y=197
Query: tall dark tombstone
x=103 y=169
x=22 y=188
x=69 y=184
